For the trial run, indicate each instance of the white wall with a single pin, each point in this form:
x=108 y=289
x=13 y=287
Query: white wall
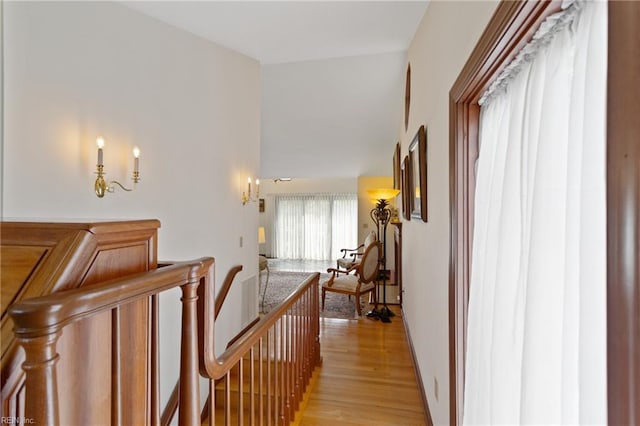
x=332 y=117
x=1 y=107
x=269 y=188
x=442 y=44
x=76 y=70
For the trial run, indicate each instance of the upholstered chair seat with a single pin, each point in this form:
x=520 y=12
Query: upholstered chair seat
x=357 y=280
x=351 y=257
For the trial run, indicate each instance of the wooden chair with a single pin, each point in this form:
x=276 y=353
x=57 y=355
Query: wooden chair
x=351 y=257
x=361 y=282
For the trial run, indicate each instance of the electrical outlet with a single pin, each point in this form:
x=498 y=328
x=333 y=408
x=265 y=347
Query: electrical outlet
x=435 y=387
x=240 y=242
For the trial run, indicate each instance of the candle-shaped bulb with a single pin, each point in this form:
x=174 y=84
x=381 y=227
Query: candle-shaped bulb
x=100 y=143
x=136 y=161
x=257 y=188
x=257 y=182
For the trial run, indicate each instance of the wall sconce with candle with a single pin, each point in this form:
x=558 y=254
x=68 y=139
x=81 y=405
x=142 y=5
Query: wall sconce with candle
x=101 y=186
x=246 y=196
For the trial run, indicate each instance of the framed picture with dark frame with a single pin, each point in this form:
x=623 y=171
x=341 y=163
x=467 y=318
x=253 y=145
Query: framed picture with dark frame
x=407 y=97
x=406 y=192
x=397 y=178
x=418 y=174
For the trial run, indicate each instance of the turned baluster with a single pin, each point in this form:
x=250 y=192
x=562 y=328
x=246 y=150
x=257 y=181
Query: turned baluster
x=40 y=378
x=189 y=411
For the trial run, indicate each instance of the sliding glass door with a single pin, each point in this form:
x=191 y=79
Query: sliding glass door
x=314 y=226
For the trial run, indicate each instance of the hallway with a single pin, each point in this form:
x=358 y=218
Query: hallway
x=366 y=377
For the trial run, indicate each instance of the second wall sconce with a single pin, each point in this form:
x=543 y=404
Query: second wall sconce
x=101 y=186
x=246 y=196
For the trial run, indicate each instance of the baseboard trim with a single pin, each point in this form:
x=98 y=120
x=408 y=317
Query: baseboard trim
x=425 y=402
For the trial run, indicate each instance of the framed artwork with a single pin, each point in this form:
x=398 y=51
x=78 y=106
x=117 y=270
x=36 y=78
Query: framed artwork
x=261 y=205
x=407 y=97
x=406 y=192
x=418 y=175
x=397 y=184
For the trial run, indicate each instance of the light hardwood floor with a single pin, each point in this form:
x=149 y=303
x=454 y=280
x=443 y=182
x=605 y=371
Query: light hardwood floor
x=366 y=378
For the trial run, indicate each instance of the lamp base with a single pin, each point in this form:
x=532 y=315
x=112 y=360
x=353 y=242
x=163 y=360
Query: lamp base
x=383 y=314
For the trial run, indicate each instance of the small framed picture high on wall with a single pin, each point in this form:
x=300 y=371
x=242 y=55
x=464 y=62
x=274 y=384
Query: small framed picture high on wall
x=418 y=175
x=406 y=191
x=397 y=178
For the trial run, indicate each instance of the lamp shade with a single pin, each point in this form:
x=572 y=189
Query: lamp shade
x=261 y=238
x=383 y=193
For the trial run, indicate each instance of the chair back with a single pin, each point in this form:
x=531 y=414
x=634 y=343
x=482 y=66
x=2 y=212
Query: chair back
x=369 y=265
x=371 y=237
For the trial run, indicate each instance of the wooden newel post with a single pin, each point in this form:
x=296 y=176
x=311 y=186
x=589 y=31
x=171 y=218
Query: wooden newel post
x=41 y=386
x=189 y=408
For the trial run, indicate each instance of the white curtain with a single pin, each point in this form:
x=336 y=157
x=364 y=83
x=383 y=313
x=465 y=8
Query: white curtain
x=344 y=223
x=536 y=341
x=315 y=226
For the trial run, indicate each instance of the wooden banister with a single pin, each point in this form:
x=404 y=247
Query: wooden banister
x=44 y=315
x=172 y=404
x=224 y=290
x=189 y=411
x=215 y=367
x=40 y=258
x=39 y=323
x=41 y=382
x=288 y=345
x=269 y=385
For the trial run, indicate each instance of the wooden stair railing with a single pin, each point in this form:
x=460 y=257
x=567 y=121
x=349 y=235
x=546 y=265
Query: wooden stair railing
x=282 y=350
x=39 y=323
x=172 y=405
x=39 y=258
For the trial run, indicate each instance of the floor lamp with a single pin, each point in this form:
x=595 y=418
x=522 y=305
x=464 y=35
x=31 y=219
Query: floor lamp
x=381 y=215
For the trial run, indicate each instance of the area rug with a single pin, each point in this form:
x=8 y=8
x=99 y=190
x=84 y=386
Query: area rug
x=282 y=284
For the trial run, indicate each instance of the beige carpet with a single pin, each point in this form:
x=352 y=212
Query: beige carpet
x=282 y=284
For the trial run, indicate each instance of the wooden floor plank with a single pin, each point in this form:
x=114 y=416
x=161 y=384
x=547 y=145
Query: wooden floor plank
x=366 y=378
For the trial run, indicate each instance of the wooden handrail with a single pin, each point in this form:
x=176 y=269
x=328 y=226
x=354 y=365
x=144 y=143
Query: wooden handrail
x=214 y=367
x=44 y=315
x=281 y=351
x=284 y=345
x=172 y=404
x=226 y=286
x=39 y=323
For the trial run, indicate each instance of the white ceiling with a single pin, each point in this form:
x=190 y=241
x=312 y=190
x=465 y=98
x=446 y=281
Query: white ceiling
x=292 y=31
x=332 y=75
